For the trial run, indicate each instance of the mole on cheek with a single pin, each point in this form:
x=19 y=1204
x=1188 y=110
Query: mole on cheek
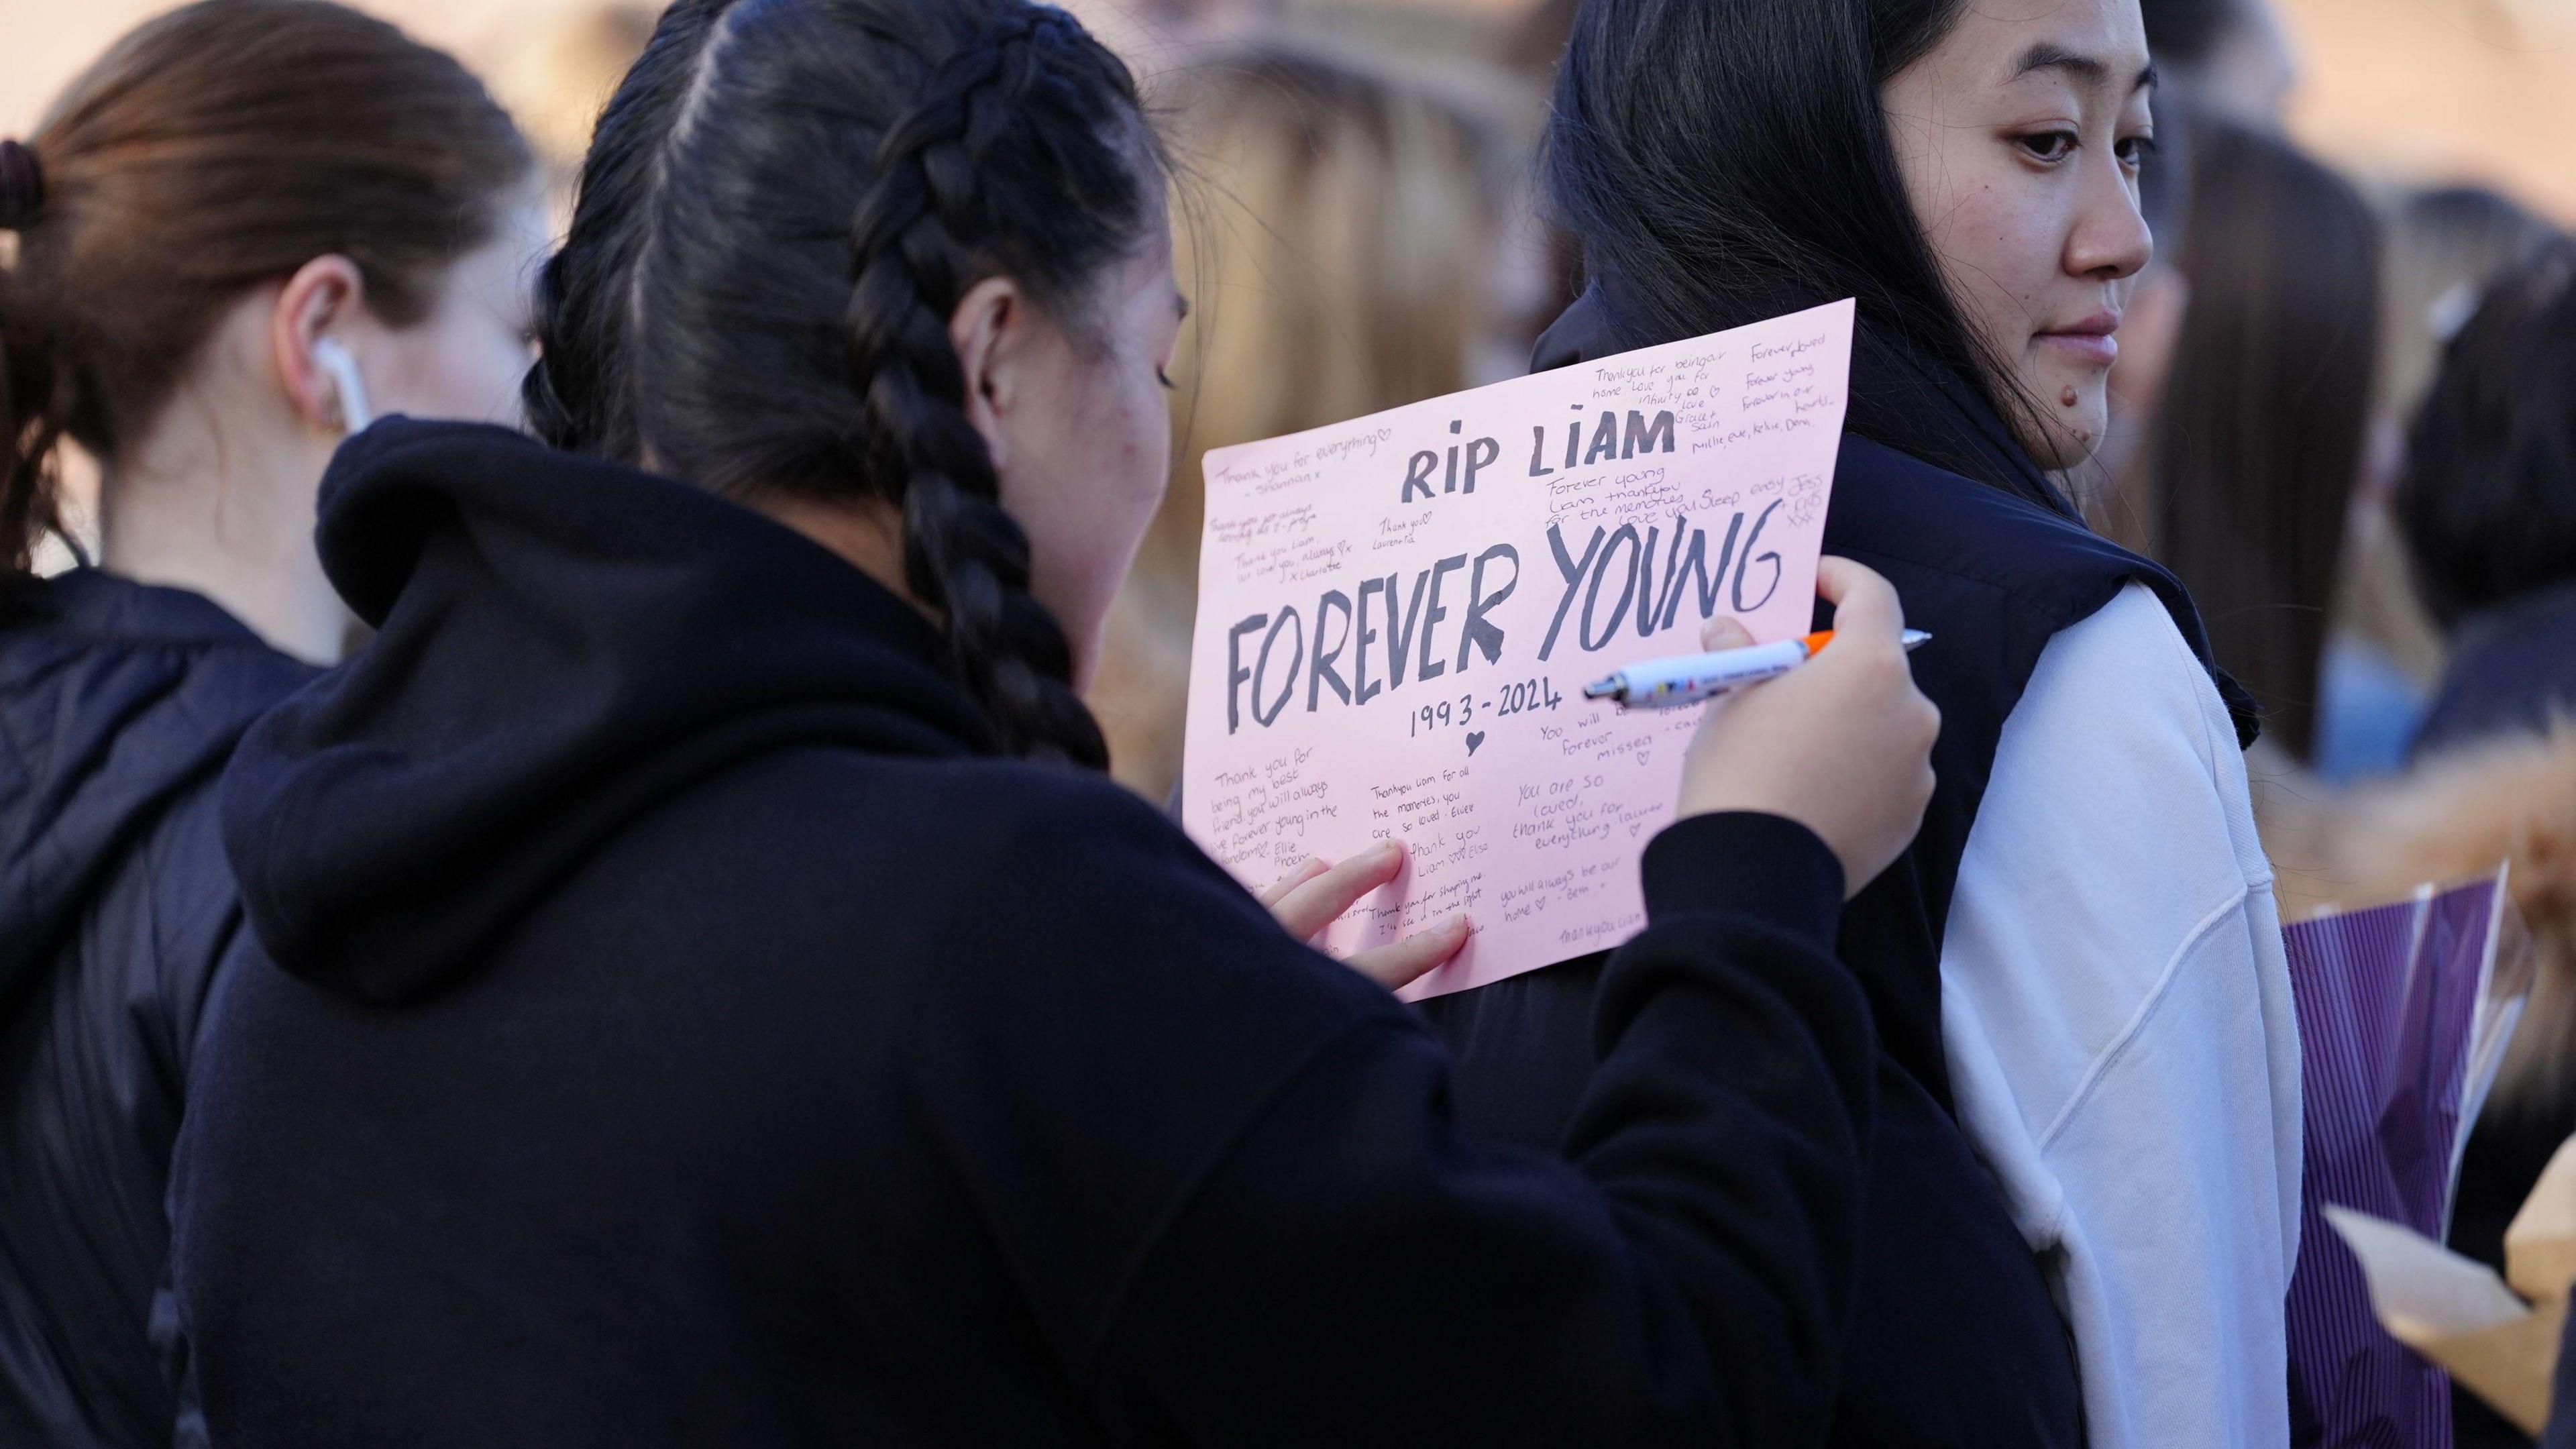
x=2066 y=398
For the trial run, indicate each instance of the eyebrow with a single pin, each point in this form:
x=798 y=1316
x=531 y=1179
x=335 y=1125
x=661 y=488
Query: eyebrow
x=2045 y=56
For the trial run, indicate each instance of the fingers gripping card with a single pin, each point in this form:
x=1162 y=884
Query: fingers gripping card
x=1397 y=616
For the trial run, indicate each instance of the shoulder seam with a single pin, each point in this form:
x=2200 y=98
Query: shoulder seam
x=2212 y=751
x=2139 y=1020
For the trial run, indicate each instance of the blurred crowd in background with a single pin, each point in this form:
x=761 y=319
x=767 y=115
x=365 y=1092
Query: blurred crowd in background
x=1361 y=231
x=2361 y=286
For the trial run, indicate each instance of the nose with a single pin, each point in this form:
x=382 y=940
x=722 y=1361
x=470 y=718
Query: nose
x=2110 y=240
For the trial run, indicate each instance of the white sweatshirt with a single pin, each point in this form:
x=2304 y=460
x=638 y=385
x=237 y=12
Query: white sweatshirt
x=2122 y=1046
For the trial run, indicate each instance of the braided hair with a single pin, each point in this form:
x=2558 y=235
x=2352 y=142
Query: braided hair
x=786 y=202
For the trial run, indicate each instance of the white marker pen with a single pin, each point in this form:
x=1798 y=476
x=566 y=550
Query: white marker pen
x=1690 y=678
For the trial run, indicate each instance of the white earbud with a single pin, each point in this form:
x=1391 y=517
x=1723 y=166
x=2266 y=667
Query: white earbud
x=336 y=363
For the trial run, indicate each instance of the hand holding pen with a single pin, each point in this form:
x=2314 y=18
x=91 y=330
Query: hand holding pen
x=1842 y=745
x=1690 y=678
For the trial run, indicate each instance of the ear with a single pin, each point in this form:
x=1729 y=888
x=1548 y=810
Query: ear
x=991 y=331
x=320 y=300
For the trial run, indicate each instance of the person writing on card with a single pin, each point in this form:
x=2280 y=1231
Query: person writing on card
x=706 y=991
x=2090 y=1103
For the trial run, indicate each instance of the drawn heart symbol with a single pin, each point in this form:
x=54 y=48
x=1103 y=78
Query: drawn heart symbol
x=1474 y=739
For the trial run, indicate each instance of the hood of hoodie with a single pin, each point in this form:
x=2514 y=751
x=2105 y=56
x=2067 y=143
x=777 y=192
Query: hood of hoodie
x=117 y=700
x=561 y=644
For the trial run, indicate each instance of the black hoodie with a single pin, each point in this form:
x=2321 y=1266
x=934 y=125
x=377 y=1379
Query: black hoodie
x=678 y=1027
x=119 y=704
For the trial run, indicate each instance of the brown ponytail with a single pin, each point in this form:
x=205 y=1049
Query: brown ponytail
x=30 y=424
x=213 y=149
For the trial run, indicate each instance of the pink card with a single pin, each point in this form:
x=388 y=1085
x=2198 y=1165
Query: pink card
x=1397 y=616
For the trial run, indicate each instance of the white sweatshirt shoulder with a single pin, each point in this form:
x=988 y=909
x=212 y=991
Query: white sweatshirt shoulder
x=2122 y=1046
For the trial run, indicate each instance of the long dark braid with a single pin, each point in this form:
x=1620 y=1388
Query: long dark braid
x=960 y=548
x=760 y=282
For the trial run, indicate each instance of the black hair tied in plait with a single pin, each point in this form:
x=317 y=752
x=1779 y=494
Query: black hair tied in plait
x=22 y=186
x=787 y=202
x=961 y=550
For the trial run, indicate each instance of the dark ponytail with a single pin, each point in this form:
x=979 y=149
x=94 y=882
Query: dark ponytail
x=211 y=150
x=786 y=202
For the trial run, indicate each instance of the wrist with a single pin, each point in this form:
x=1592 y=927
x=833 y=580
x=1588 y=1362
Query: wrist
x=1747 y=863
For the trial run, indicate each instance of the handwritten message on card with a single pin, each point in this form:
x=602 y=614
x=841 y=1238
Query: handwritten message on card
x=1397 y=616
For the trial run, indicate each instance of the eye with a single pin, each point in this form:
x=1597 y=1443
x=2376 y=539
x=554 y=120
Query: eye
x=1165 y=378
x=2136 y=151
x=2048 y=145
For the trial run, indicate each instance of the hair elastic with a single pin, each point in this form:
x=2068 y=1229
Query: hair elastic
x=22 y=186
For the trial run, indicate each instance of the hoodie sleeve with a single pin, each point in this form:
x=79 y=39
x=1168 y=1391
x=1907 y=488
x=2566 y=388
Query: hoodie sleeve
x=1271 y=1233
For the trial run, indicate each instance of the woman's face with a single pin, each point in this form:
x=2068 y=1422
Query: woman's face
x=1086 y=445
x=465 y=360
x=2020 y=136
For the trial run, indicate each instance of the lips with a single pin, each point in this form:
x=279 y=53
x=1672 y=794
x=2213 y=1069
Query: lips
x=2092 y=340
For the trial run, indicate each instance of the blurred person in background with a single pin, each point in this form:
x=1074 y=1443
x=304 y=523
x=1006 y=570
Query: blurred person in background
x=2230 y=58
x=2446 y=246
x=556 y=75
x=2259 y=441
x=2383 y=652
x=247 y=225
x=2077 y=970
x=1153 y=35
x=1352 y=241
x=2487 y=508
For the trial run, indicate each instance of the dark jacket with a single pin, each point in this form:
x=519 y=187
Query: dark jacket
x=677 y=1026
x=118 y=706
x=2512 y=670
x=1959 y=1343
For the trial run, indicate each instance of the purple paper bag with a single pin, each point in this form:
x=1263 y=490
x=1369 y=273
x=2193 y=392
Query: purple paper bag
x=2397 y=1053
